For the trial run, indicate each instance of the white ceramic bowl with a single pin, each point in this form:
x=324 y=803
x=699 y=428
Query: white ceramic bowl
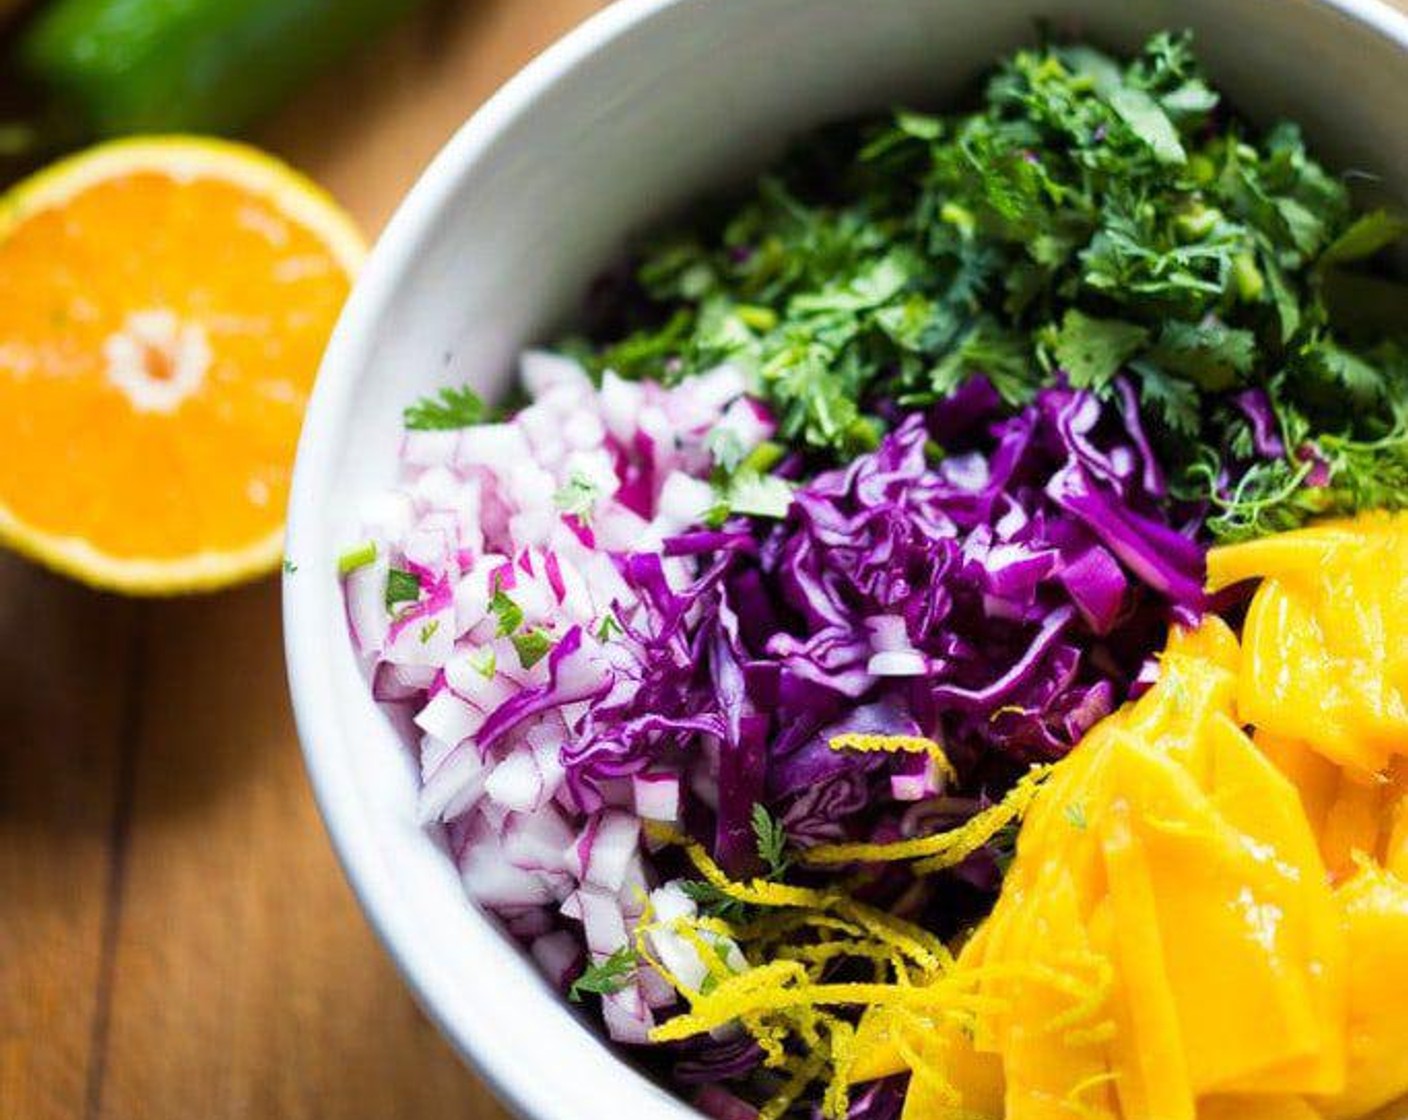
x=641 y=109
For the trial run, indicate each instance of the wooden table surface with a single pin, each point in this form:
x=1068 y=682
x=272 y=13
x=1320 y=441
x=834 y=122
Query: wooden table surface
x=176 y=939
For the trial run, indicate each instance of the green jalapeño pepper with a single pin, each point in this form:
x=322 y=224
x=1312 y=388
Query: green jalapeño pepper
x=111 y=67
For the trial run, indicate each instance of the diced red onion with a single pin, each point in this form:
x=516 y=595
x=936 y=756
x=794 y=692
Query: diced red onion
x=559 y=955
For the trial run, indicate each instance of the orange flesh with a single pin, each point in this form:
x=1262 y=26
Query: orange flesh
x=213 y=473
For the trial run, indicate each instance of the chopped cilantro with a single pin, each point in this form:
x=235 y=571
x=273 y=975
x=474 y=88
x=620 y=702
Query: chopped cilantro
x=532 y=646
x=484 y=662
x=401 y=587
x=753 y=495
x=289 y=566
x=604 y=977
x=712 y=901
x=772 y=840
x=508 y=613
x=449 y=408
x=578 y=496
x=428 y=630
x=1091 y=351
x=1085 y=214
x=608 y=628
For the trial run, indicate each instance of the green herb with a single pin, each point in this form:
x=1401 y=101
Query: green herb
x=428 y=630
x=356 y=557
x=605 y=977
x=752 y=494
x=1088 y=217
x=401 y=587
x=726 y=449
x=449 y=408
x=289 y=566
x=532 y=646
x=772 y=840
x=713 y=902
x=508 y=613
x=484 y=662
x=1075 y=815
x=608 y=628
x=578 y=496
x=1092 y=351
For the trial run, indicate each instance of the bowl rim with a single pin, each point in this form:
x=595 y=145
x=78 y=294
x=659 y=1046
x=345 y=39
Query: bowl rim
x=352 y=342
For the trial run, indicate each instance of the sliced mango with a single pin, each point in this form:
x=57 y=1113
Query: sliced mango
x=1374 y=905
x=1324 y=648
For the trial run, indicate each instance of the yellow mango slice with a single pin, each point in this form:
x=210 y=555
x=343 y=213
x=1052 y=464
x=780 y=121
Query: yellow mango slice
x=1325 y=645
x=1261 y=804
x=1315 y=777
x=1147 y=1052
x=956 y=1082
x=1356 y=825
x=1374 y=905
x=1231 y=915
x=1053 y=1057
x=1249 y=1107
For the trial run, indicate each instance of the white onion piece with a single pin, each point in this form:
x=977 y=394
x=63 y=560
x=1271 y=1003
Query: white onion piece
x=516 y=783
x=449 y=718
x=656 y=797
x=543 y=371
x=658 y=991
x=917 y=787
x=604 y=865
x=493 y=446
x=452 y=778
x=620 y=403
x=429 y=449
x=888 y=633
x=628 y=1019
x=426 y=639
x=536 y=841
x=601 y=918
x=492 y=880
x=365 y=589
x=437 y=490
x=558 y=955
x=685 y=500
x=897 y=663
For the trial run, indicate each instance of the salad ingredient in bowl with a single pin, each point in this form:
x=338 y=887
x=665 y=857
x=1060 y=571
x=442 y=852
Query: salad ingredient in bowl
x=789 y=676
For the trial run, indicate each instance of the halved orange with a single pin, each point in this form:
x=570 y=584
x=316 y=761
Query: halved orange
x=164 y=303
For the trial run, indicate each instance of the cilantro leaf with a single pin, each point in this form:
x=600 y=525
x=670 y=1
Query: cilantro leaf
x=772 y=840
x=1147 y=120
x=1172 y=399
x=508 y=613
x=1366 y=236
x=449 y=408
x=577 y=497
x=758 y=495
x=1211 y=354
x=1092 y=350
x=605 y=977
x=401 y=587
x=532 y=646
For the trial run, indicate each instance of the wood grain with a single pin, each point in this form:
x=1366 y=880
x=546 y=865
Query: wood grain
x=176 y=939
x=66 y=681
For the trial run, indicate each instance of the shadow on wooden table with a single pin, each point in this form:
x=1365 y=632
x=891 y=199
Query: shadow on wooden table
x=176 y=937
